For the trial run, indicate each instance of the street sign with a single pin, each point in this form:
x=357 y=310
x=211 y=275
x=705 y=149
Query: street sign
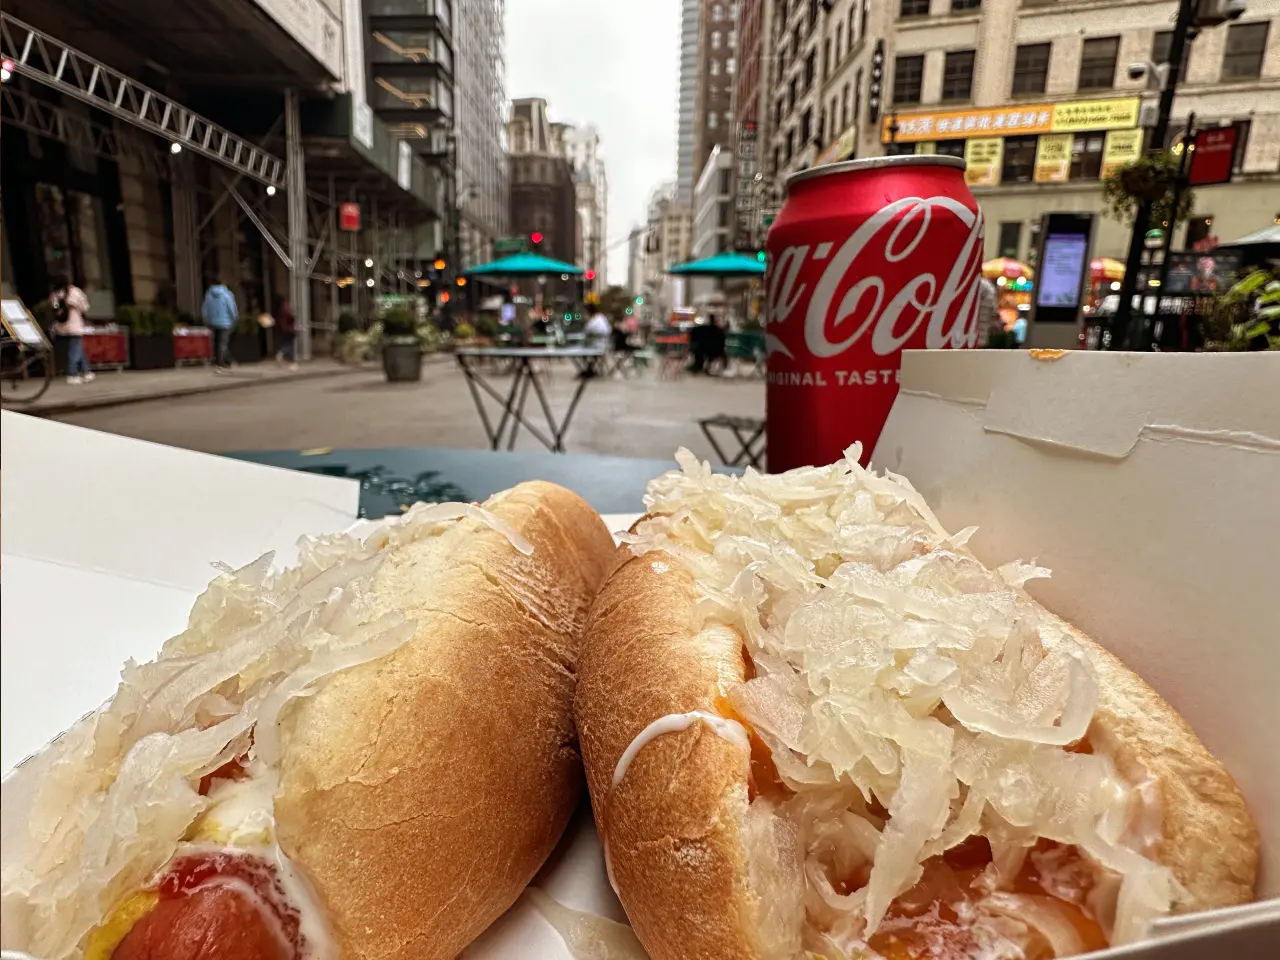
x=349 y=217
x=1212 y=156
x=507 y=246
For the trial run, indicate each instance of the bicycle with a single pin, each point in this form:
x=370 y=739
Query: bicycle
x=26 y=363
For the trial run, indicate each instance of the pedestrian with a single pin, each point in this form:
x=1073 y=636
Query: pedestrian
x=598 y=327
x=220 y=313
x=286 y=333
x=69 y=305
x=988 y=314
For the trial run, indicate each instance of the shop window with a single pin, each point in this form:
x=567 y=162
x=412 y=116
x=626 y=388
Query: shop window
x=1086 y=156
x=949 y=148
x=913 y=8
x=1019 y=159
x=1246 y=43
x=1010 y=239
x=1160 y=47
x=908 y=78
x=1031 y=68
x=1098 y=63
x=1198 y=228
x=957 y=75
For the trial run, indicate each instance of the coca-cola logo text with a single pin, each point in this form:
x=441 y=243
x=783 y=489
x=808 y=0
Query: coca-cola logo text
x=853 y=295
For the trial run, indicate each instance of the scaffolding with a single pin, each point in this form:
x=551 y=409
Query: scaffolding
x=245 y=173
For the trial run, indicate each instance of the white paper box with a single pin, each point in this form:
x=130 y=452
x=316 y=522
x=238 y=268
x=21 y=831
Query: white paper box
x=1150 y=485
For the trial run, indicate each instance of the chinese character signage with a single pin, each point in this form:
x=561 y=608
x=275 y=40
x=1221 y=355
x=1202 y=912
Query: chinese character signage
x=982 y=157
x=1053 y=157
x=1212 y=156
x=1121 y=147
x=1018 y=120
x=841 y=149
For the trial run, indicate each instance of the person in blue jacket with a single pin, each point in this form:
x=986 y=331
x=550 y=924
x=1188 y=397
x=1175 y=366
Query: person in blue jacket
x=220 y=314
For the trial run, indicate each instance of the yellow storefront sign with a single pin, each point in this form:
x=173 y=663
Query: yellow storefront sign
x=1016 y=120
x=1121 y=147
x=1053 y=157
x=982 y=157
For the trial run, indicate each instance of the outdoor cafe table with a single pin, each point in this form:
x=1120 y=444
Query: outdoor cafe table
x=587 y=360
x=393 y=479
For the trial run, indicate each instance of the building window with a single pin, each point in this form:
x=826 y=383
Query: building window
x=1031 y=68
x=715 y=68
x=777 y=161
x=949 y=148
x=857 y=96
x=913 y=8
x=777 y=113
x=809 y=70
x=724 y=183
x=792 y=91
x=1246 y=43
x=712 y=121
x=959 y=6
x=1198 y=228
x=826 y=59
x=844 y=108
x=806 y=126
x=1098 y=63
x=866 y=12
x=1086 y=156
x=1010 y=239
x=1019 y=159
x=908 y=78
x=1160 y=47
x=722 y=213
x=835 y=117
x=731 y=66
x=717 y=11
x=839 y=40
x=791 y=144
x=715 y=39
x=957 y=75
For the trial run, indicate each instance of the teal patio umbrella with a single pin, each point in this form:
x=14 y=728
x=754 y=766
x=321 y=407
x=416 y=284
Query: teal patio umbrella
x=727 y=264
x=523 y=265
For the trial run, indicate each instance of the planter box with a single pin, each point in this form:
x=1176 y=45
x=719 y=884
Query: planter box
x=151 y=353
x=402 y=362
x=246 y=347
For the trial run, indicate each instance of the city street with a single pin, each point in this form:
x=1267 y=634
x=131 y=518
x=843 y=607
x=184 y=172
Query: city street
x=644 y=417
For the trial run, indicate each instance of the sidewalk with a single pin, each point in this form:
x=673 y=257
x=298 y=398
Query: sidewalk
x=110 y=388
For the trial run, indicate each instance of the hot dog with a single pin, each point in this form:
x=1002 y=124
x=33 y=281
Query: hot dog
x=367 y=755
x=814 y=725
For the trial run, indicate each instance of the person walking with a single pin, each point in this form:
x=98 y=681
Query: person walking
x=220 y=314
x=988 y=314
x=69 y=306
x=286 y=334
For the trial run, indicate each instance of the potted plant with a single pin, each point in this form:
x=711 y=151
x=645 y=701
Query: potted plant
x=150 y=336
x=246 y=340
x=401 y=348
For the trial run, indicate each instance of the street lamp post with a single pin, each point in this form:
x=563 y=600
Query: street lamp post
x=1183 y=32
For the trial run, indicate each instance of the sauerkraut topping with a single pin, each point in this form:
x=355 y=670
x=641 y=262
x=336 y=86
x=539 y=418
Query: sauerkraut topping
x=910 y=700
x=95 y=817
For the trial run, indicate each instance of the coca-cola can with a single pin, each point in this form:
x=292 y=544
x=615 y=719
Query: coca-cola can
x=867 y=258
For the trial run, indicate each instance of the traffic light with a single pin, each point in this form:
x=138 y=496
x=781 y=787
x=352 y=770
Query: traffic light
x=591 y=274
x=628 y=311
x=462 y=281
x=536 y=237
x=444 y=296
x=568 y=317
x=640 y=301
x=439 y=264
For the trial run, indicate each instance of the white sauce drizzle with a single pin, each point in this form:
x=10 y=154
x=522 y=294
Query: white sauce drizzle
x=730 y=730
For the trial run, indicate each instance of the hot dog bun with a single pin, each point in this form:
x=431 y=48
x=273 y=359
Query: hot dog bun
x=400 y=756
x=680 y=825
x=449 y=769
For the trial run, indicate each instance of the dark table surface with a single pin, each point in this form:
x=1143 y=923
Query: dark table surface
x=396 y=477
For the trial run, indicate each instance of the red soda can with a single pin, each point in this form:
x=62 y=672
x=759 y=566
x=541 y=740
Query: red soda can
x=867 y=258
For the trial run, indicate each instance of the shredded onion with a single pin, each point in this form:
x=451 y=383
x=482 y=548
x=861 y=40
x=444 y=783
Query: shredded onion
x=1046 y=915
x=96 y=814
x=894 y=673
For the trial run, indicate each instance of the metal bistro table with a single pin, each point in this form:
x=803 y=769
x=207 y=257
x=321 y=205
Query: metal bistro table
x=587 y=360
x=393 y=479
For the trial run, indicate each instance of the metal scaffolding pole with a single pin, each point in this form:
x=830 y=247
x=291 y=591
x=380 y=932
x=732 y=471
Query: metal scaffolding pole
x=299 y=254
x=333 y=266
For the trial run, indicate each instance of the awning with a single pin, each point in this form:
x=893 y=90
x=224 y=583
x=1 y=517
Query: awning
x=1266 y=235
x=727 y=264
x=523 y=265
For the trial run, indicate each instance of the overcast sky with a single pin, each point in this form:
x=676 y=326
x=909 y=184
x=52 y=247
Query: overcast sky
x=614 y=64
